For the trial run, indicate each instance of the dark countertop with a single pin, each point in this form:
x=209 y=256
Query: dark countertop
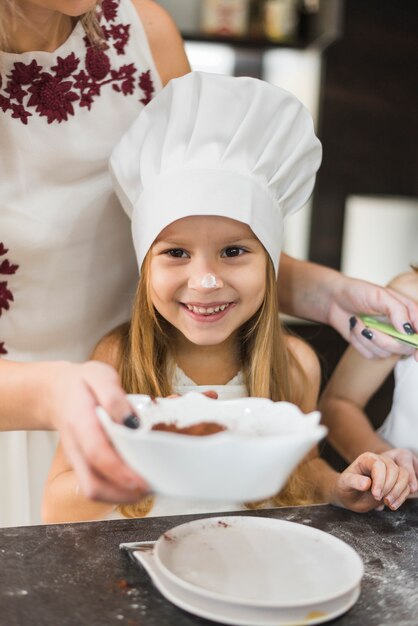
x=75 y=574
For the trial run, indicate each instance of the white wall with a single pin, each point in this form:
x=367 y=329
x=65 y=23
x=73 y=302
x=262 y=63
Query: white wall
x=298 y=71
x=380 y=237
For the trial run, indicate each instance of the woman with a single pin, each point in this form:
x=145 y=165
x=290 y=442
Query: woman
x=65 y=249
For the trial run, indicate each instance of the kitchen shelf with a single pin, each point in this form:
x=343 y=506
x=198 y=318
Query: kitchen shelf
x=315 y=30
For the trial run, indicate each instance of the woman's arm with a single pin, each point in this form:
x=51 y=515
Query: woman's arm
x=164 y=39
x=63 y=396
x=324 y=295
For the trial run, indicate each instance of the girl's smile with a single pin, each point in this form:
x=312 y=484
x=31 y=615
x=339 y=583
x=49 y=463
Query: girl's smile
x=187 y=252
x=207 y=312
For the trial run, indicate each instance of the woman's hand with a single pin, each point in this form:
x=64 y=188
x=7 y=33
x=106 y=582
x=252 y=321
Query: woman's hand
x=72 y=392
x=324 y=295
x=349 y=297
x=370 y=482
x=409 y=461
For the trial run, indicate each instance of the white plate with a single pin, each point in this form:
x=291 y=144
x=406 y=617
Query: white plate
x=245 y=616
x=258 y=562
x=194 y=599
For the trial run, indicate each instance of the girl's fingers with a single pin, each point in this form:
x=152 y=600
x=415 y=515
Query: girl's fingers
x=355 y=482
x=401 y=485
x=396 y=481
x=211 y=394
x=406 y=459
x=379 y=477
x=395 y=504
x=413 y=485
x=382 y=471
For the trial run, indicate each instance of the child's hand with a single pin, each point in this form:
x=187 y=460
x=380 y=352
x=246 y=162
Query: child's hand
x=409 y=461
x=371 y=481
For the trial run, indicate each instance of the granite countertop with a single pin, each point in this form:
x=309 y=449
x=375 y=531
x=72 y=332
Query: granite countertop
x=75 y=574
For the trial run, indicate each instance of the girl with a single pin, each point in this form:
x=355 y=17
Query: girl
x=207 y=173
x=354 y=382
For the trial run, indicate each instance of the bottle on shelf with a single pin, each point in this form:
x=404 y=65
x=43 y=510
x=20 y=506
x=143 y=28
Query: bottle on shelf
x=228 y=18
x=280 y=20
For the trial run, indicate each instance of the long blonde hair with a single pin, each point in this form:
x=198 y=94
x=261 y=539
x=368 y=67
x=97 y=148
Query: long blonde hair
x=144 y=365
x=10 y=12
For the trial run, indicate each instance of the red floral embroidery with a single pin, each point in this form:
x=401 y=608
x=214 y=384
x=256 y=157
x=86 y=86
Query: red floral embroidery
x=145 y=83
x=53 y=94
x=110 y=10
x=6 y=296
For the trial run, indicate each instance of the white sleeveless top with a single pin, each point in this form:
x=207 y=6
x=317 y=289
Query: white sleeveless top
x=400 y=428
x=67 y=266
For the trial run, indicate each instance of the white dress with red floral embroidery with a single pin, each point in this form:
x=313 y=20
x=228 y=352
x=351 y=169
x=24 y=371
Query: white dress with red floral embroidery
x=67 y=267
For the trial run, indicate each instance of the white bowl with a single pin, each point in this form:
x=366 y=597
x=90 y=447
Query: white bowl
x=252 y=460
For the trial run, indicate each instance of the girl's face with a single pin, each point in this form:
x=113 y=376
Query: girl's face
x=207 y=277
x=73 y=8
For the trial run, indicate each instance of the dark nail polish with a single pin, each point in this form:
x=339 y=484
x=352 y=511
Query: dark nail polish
x=353 y=322
x=367 y=333
x=409 y=329
x=131 y=421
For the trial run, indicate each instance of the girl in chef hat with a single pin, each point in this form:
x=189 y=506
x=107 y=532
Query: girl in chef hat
x=208 y=173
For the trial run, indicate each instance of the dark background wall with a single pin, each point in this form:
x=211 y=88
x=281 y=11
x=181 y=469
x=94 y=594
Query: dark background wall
x=369 y=130
x=369 y=114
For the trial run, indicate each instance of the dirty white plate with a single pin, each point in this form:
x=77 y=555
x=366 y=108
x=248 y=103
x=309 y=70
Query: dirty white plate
x=254 y=571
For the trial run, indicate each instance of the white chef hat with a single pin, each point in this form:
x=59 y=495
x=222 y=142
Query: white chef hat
x=210 y=144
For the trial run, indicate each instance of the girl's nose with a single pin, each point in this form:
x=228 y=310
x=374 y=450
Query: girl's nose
x=205 y=282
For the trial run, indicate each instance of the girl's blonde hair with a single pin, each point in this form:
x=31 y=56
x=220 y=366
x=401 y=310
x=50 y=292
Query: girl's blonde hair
x=145 y=365
x=10 y=12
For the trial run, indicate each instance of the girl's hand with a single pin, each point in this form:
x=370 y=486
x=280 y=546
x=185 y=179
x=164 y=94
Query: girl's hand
x=409 y=461
x=371 y=482
x=72 y=393
x=349 y=297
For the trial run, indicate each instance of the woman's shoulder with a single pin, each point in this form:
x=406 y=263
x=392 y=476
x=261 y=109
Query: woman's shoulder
x=164 y=39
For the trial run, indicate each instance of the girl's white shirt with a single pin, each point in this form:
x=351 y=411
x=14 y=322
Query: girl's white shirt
x=67 y=266
x=235 y=388
x=400 y=428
